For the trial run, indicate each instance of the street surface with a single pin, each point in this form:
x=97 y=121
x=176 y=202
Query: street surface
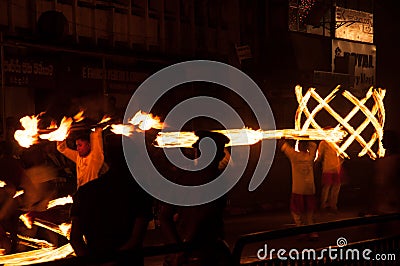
x=235 y=226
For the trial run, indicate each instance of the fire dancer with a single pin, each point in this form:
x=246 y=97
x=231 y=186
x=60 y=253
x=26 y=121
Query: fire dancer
x=201 y=226
x=88 y=156
x=40 y=186
x=302 y=203
x=111 y=213
x=331 y=176
x=12 y=173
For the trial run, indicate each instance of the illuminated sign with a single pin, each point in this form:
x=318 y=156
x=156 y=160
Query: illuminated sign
x=364 y=60
x=354 y=25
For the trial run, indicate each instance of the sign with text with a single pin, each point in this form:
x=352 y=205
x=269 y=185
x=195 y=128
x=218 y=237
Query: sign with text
x=354 y=25
x=27 y=71
x=364 y=58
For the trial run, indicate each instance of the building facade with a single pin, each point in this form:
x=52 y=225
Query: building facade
x=60 y=55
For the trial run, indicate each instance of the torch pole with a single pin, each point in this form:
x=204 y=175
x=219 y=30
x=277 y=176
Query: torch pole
x=76 y=127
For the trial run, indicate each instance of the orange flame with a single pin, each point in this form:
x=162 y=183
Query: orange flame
x=53 y=124
x=247 y=136
x=105 y=118
x=29 y=135
x=18 y=193
x=79 y=116
x=37 y=256
x=59 y=202
x=146 y=121
x=26 y=219
x=35 y=243
x=61 y=133
x=125 y=130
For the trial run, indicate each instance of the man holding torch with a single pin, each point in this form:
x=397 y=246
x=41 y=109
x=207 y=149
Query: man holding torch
x=88 y=156
x=302 y=202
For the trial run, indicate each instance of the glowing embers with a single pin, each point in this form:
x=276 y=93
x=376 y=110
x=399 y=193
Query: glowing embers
x=374 y=116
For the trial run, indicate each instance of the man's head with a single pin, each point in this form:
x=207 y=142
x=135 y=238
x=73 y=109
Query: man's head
x=219 y=139
x=303 y=145
x=82 y=143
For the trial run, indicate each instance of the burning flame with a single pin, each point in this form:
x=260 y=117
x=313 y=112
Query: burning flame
x=37 y=256
x=29 y=135
x=245 y=136
x=35 y=243
x=53 y=124
x=126 y=130
x=359 y=105
x=105 y=119
x=65 y=229
x=2 y=183
x=248 y=136
x=59 y=202
x=79 y=116
x=18 y=193
x=26 y=219
x=146 y=121
x=175 y=139
x=61 y=133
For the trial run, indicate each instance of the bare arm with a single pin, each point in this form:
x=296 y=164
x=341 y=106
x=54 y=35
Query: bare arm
x=96 y=144
x=69 y=153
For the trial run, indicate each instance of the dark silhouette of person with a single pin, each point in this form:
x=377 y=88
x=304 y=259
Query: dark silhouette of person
x=111 y=213
x=40 y=186
x=200 y=226
x=386 y=177
x=12 y=172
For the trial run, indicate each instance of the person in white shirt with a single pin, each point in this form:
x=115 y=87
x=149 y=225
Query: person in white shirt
x=88 y=156
x=303 y=201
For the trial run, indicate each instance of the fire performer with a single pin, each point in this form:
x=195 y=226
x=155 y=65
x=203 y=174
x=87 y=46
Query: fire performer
x=111 y=213
x=302 y=203
x=202 y=225
x=88 y=156
x=331 y=176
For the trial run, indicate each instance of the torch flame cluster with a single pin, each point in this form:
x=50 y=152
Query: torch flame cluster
x=310 y=130
x=354 y=134
x=142 y=120
x=31 y=133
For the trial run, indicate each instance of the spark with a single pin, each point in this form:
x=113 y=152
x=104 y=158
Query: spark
x=18 y=193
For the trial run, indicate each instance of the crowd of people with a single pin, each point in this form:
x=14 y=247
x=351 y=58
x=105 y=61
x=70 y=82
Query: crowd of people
x=110 y=212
